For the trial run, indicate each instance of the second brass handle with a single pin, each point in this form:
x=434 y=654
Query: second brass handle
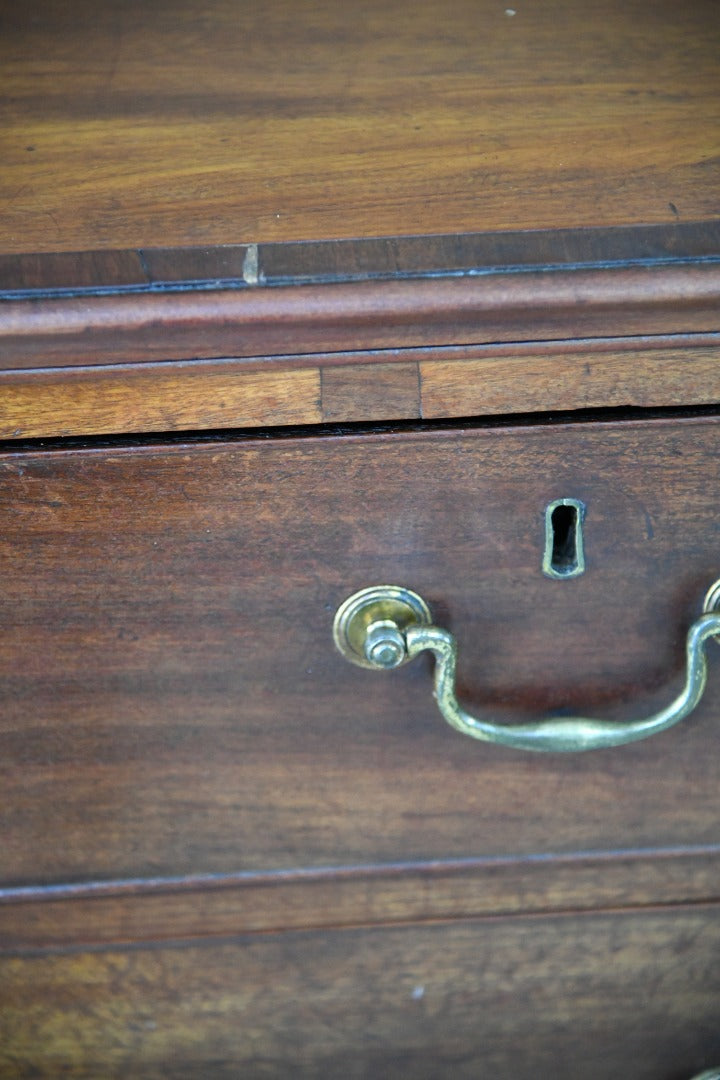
x=385 y=625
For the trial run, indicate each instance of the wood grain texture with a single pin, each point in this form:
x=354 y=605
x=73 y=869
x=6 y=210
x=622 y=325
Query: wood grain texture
x=347 y=387
x=237 y=265
x=157 y=397
x=173 y=703
x=503 y=307
x=141 y=910
x=480 y=252
x=598 y=996
x=571 y=380
x=78 y=270
x=200 y=124
x=371 y=392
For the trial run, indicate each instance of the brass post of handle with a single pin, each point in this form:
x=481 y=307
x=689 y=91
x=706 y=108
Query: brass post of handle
x=386 y=625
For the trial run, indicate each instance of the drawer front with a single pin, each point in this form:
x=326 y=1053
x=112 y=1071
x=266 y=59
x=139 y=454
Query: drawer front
x=595 y=997
x=174 y=704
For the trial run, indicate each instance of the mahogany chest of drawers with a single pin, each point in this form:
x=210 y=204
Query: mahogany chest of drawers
x=331 y=299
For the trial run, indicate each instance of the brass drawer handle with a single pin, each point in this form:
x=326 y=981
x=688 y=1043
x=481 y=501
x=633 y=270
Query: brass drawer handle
x=386 y=625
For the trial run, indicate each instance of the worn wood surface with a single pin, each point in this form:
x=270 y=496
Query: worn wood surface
x=128 y=124
x=398 y=384
x=173 y=703
x=595 y=996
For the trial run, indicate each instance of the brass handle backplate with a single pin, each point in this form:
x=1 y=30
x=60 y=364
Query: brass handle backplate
x=386 y=625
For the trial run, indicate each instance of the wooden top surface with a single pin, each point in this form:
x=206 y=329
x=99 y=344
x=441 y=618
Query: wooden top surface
x=127 y=124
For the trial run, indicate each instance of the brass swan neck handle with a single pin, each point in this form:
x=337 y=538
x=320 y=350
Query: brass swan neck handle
x=386 y=625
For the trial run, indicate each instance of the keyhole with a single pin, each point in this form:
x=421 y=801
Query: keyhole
x=564 y=553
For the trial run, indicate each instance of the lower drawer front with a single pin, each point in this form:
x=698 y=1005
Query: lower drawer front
x=597 y=997
x=173 y=703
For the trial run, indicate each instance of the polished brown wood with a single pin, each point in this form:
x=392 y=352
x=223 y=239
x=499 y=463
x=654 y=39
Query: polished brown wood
x=91 y=913
x=368 y=315
x=133 y=124
x=225 y=851
x=174 y=703
x=595 y=996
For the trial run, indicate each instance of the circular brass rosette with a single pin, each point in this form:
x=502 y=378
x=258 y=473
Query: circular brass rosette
x=380 y=604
